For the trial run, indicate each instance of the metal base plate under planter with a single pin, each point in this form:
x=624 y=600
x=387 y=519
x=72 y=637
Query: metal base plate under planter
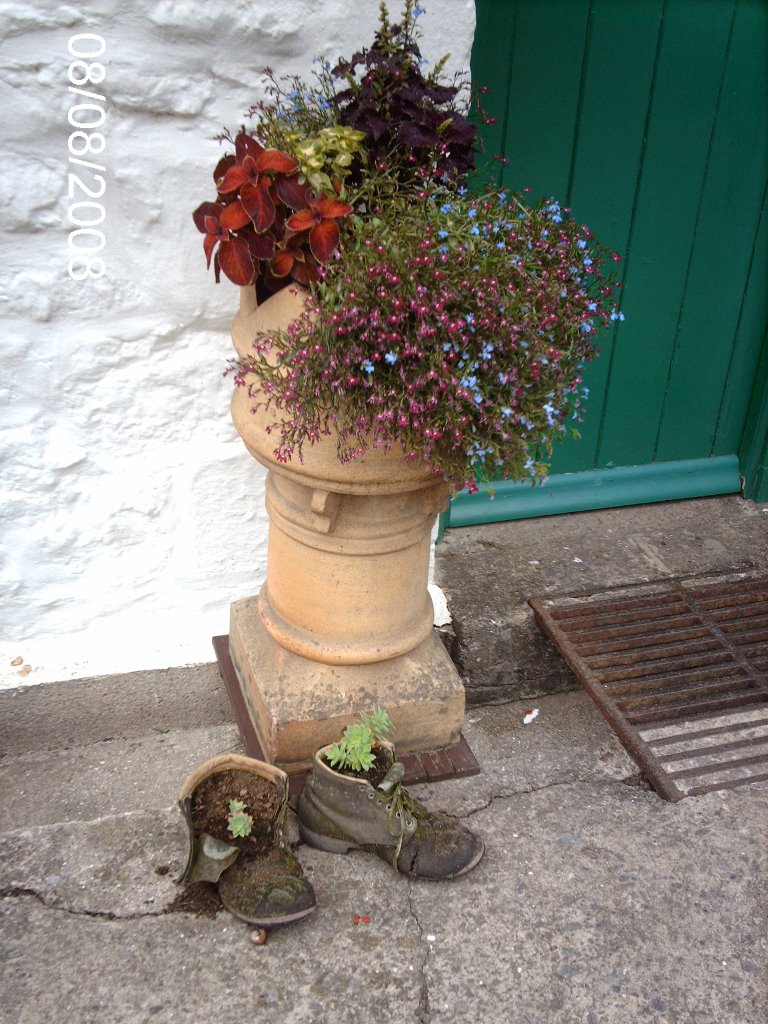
x=679 y=668
x=426 y=766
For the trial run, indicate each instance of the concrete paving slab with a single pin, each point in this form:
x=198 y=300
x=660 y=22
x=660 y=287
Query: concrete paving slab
x=489 y=572
x=68 y=966
x=596 y=902
x=102 y=868
x=601 y=904
x=568 y=741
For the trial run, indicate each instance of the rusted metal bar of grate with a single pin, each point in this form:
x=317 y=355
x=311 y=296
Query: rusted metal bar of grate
x=680 y=671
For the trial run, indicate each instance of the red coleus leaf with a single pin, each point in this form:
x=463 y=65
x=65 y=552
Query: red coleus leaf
x=209 y=244
x=262 y=246
x=275 y=160
x=326 y=207
x=233 y=179
x=304 y=271
x=222 y=167
x=246 y=145
x=214 y=228
x=278 y=228
x=282 y=264
x=274 y=284
x=293 y=193
x=234 y=216
x=235 y=259
x=258 y=204
x=205 y=210
x=323 y=239
x=301 y=221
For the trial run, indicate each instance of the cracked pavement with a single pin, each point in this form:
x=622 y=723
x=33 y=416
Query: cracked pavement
x=596 y=901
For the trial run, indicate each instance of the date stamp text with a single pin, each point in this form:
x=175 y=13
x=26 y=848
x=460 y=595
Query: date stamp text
x=87 y=183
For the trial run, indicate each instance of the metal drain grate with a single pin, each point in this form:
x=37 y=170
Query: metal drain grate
x=679 y=670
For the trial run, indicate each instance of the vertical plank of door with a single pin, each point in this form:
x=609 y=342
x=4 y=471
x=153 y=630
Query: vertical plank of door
x=544 y=87
x=606 y=164
x=694 y=41
x=722 y=253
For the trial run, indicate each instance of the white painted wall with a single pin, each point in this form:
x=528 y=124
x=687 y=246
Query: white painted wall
x=130 y=513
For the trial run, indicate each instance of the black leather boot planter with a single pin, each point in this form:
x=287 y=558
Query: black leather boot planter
x=235 y=810
x=339 y=812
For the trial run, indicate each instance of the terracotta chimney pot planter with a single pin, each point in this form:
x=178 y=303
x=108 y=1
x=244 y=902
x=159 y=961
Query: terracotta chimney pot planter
x=344 y=619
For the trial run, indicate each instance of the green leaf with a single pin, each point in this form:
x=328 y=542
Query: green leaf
x=357 y=736
x=336 y=755
x=379 y=722
x=240 y=823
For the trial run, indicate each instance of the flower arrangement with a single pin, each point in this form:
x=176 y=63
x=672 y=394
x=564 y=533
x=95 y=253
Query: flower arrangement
x=453 y=322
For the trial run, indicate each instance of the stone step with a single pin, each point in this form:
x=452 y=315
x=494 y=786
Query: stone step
x=88 y=781
x=80 y=711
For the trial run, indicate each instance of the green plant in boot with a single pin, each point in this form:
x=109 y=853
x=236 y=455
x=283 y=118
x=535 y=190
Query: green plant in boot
x=355 y=749
x=240 y=824
x=341 y=811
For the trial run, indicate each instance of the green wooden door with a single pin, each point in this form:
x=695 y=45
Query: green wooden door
x=648 y=118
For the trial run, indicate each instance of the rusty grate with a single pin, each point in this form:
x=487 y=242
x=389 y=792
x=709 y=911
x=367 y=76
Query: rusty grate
x=679 y=670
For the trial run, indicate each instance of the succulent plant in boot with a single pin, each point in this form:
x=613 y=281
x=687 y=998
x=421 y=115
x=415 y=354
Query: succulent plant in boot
x=339 y=811
x=235 y=809
x=355 y=751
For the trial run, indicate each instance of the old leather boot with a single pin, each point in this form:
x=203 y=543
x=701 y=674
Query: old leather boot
x=339 y=812
x=259 y=880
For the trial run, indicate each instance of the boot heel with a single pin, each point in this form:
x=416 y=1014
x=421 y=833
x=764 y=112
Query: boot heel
x=326 y=843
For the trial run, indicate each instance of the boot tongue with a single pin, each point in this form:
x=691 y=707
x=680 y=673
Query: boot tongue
x=392 y=778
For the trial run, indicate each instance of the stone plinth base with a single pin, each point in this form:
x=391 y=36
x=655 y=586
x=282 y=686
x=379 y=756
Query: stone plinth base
x=298 y=705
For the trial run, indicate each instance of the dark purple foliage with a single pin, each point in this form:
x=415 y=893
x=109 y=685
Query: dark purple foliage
x=409 y=119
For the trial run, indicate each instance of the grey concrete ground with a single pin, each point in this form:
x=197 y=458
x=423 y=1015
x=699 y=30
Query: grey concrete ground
x=596 y=901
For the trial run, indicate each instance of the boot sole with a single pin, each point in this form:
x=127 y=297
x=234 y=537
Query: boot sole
x=269 y=922
x=330 y=845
